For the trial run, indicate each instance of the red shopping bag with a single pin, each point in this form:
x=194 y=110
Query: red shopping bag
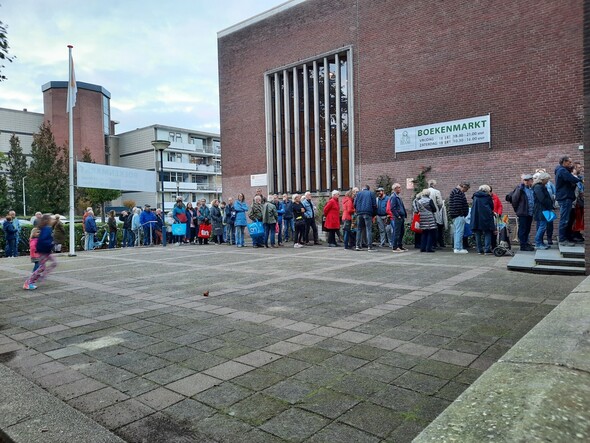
x=578 y=214
x=415 y=225
x=204 y=231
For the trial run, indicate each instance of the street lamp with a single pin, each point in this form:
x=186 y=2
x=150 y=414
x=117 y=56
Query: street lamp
x=24 y=200
x=160 y=146
x=177 y=188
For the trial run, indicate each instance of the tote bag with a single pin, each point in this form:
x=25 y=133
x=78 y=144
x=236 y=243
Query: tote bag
x=179 y=229
x=549 y=215
x=256 y=229
x=415 y=225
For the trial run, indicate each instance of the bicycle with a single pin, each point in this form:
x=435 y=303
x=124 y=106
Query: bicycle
x=98 y=244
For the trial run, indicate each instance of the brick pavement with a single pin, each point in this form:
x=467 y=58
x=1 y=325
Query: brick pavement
x=317 y=344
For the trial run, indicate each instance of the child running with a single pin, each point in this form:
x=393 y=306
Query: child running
x=44 y=247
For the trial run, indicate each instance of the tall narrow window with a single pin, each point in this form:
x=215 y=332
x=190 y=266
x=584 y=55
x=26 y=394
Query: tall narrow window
x=308 y=118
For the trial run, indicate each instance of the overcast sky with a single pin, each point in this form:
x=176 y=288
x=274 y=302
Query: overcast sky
x=158 y=59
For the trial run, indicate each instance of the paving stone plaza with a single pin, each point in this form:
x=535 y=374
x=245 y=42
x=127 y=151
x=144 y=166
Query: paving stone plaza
x=310 y=345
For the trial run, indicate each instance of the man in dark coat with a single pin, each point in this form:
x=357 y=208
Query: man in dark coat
x=458 y=210
x=565 y=194
x=523 y=202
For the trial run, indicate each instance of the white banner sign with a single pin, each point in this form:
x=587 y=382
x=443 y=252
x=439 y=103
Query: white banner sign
x=92 y=175
x=443 y=135
x=258 y=180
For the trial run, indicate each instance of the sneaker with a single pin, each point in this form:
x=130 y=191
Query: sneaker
x=567 y=243
x=397 y=250
x=403 y=249
x=370 y=249
x=542 y=247
x=357 y=249
x=29 y=286
x=460 y=251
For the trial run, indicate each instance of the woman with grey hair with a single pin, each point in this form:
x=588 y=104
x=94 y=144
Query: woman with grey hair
x=425 y=206
x=332 y=214
x=543 y=202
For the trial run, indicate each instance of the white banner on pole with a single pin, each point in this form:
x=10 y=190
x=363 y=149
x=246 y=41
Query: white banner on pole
x=468 y=131
x=92 y=175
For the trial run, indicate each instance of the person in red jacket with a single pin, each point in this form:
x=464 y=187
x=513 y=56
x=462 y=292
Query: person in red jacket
x=347 y=211
x=332 y=214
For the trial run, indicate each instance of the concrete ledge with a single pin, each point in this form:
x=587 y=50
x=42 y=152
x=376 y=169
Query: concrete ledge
x=29 y=414
x=538 y=391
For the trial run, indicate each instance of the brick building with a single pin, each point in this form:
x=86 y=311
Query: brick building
x=92 y=117
x=387 y=65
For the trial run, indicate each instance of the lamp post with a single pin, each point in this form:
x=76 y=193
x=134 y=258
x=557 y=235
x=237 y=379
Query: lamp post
x=160 y=146
x=24 y=199
x=177 y=188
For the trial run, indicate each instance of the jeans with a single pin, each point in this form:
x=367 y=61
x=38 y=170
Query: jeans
x=398 y=225
x=348 y=243
x=112 y=240
x=125 y=239
x=565 y=212
x=240 y=235
x=147 y=235
x=136 y=237
x=524 y=229
x=427 y=240
x=288 y=227
x=11 y=246
x=541 y=228
x=230 y=234
x=459 y=224
x=382 y=223
x=269 y=229
x=487 y=241
x=365 y=222
x=89 y=241
x=310 y=224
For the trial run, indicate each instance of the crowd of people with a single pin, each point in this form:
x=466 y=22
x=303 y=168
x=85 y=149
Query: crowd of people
x=272 y=221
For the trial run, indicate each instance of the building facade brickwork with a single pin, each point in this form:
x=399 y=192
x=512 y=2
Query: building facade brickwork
x=416 y=63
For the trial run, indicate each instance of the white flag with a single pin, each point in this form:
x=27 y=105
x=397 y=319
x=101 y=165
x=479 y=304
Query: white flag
x=72 y=88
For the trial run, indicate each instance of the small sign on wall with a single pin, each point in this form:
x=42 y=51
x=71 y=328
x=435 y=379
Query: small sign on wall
x=258 y=180
x=409 y=183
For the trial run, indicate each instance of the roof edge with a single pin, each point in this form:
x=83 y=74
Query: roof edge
x=258 y=18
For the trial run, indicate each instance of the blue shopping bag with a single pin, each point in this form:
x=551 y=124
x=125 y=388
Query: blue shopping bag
x=256 y=229
x=179 y=229
x=549 y=215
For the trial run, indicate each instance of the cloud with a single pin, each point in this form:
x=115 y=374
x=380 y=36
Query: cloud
x=160 y=64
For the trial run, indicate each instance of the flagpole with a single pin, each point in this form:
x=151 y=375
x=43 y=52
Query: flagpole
x=71 y=158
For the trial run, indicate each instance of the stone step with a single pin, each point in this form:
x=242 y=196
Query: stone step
x=526 y=262
x=572 y=251
x=553 y=257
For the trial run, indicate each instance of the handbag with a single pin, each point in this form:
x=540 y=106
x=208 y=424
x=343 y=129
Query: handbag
x=256 y=229
x=415 y=225
x=179 y=229
x=549 y=215
x=204 y=231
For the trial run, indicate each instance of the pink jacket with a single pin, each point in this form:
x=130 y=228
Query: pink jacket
x=33 y=247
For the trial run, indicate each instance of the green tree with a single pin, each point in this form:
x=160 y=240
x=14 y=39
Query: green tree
x=97 y=197
x=4 y=198
x=17 y=170
x=385 y=182
x=3 y=50
x=420 y=182
x=47 y=178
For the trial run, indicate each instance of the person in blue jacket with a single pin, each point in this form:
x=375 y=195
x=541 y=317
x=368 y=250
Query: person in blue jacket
x=90 y=228
x=9 y=237
x=565 y=194
x=365 y=205
x=241 y=209
x=147 y=219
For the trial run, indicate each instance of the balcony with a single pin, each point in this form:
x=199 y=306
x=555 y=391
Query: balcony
x=189 y=147
x=191 y=167
x=184 y=187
